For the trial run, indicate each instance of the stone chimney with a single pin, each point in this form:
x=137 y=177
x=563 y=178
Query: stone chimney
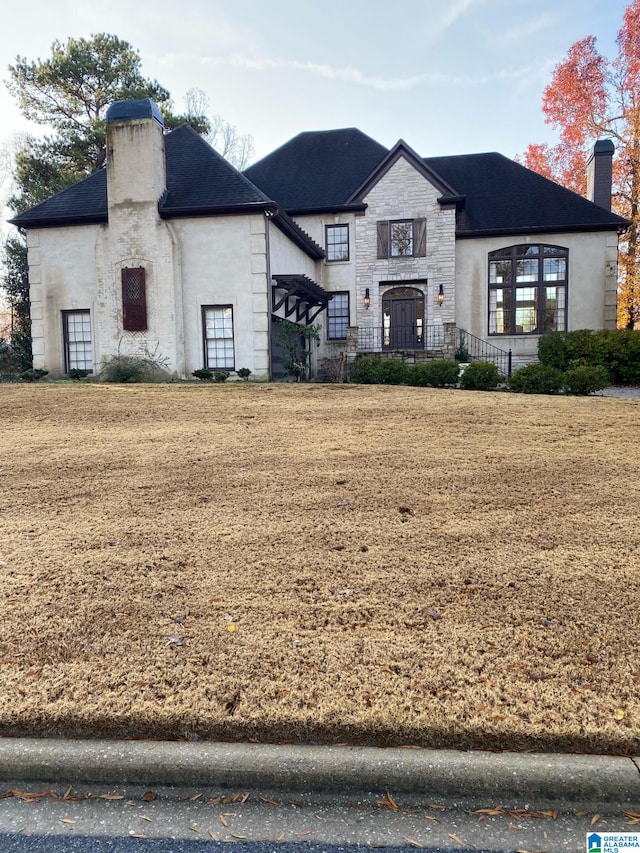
x=136 y=171
x=599 y=173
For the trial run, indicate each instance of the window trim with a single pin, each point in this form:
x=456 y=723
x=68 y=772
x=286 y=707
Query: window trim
x=332 y=227
x=511 y=255
x=66 y=314
x=205 y=339
x=341 y=316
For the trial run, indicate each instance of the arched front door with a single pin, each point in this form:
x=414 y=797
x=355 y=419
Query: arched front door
x=403 y=318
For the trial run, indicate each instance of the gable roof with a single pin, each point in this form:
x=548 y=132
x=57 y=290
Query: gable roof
x=503 y=197
x=318 y=171
x=199 y=182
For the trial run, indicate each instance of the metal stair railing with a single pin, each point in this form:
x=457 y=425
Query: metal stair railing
x=471 y=348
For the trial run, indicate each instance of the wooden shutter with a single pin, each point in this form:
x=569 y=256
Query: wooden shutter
x=420 y=238
x=134 y=300
x=383 y=239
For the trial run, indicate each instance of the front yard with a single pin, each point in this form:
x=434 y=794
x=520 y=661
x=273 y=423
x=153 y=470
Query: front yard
x=366 y=564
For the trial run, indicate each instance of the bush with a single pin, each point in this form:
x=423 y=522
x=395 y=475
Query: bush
x=33 y=374
x=435 y=374
x=480 y=376
x=124 y=368
x=203 y=374
x=585 y=379
x=617 y=350
x=9 y=359
x=375 y=370
x=77 y=373
x=536 y=379
x=244 y=373
x=220 y=376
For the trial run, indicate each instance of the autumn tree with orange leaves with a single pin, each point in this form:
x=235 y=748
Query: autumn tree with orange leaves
x=590 y=97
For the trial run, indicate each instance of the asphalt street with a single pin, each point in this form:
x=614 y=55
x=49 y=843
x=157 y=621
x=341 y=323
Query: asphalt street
x=52 y=844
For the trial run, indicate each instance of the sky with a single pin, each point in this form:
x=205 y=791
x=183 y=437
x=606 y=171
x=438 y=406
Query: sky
x=447 y=76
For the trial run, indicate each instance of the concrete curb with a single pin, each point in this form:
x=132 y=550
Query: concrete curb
x=579 y=782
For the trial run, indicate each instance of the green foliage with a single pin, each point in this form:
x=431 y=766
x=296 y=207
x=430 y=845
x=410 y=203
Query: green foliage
x=462 y=353
x=480 y=376
x=585 y=379
x=15 y=283
x=376 y=370
x=77 y=373
x=617 y=350
x=33 y=374
x=203 y=374
x=9 y=361
x=123 y=368
x=536 y=379
x=244 y=373
x=293 y=341
x=220 y=376
x=437 y=374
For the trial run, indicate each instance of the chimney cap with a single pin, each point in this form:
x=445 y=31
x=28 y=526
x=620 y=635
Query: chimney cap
x=130 y=110
x=604 y=146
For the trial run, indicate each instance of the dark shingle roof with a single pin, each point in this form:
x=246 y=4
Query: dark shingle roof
x=317 y=170
x=199 y=181
x=501 y=196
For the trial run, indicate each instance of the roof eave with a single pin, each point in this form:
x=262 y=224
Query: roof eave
x=323 y=209
x=60 y=222
x=181 y=212
x=536 y=229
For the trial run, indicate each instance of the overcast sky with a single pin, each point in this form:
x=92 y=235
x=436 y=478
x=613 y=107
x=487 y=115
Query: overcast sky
x=447 y=76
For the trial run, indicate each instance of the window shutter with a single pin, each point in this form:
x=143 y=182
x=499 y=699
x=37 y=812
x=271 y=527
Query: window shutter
x=420 y=238
x=383 y=239
x=134 y=300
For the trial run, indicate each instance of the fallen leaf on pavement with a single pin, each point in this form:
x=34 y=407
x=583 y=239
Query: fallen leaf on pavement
x=456 y=838
x=412 y=841
x=595 y=819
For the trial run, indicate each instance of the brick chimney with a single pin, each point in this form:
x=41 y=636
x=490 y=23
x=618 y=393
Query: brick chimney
x=599 y=173
x=135 y=153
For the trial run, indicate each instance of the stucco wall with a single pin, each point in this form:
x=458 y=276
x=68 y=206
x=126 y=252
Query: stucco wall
x=224 y=262
x=591 y=288
x=62 y=276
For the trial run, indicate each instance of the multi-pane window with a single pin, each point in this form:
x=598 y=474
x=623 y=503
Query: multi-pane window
x=528 y=290
x=76 y=333
x=338 y=317
x=402 y=238
x=337 y=242
x=134 y=299
x=217 y=322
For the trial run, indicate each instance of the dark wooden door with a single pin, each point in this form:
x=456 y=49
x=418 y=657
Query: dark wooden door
x=403 y=324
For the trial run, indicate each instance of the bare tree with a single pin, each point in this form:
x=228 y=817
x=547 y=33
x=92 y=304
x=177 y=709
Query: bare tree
x=225 y=137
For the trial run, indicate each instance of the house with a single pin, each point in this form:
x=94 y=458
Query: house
x=172 y=252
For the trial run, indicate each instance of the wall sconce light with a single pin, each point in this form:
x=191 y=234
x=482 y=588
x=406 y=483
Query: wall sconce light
x=440 y=294
x=367 y=298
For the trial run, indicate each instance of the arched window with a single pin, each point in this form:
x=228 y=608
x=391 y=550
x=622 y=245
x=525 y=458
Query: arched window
x=528 y=290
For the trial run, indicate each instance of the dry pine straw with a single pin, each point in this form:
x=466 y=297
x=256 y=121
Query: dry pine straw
x=320 y=563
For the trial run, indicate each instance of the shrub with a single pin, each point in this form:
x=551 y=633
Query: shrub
x=536 y=379
x=203 y=374
x=436 y=374
x=480 y=376
x=617 y=350
x=375 y=370
x=9 y=360
x=77 y=373
x=220 y=375
x=33 y=374
x=244 y=373
x=124 y=368
x=585 y=379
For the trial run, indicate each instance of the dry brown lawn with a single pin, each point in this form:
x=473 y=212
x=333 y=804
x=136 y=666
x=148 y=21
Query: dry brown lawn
x=320 y=563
